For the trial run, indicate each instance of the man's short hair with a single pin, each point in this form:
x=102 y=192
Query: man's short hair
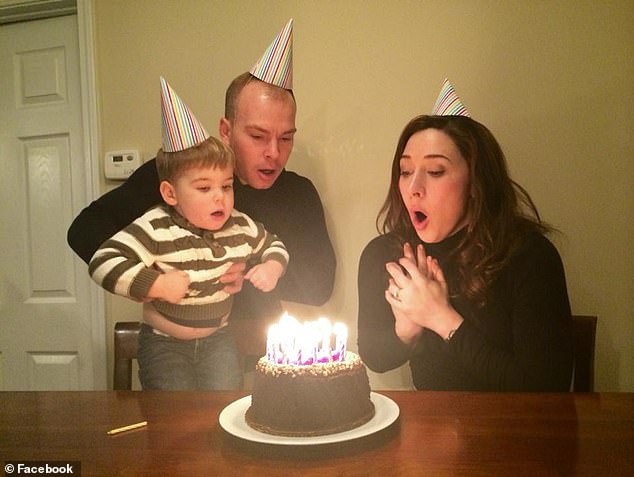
x=238 y=84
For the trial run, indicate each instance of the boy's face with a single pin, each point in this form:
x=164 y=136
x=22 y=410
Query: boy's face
x=203 y=195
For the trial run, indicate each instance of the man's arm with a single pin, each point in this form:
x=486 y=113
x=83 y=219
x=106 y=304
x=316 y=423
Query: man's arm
x=310 y=275
x=114 y=210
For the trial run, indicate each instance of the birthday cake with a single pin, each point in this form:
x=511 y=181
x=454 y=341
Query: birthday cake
x=310 y=400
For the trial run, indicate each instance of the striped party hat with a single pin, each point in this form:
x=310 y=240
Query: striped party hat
x=181 y=129
x=448 y=102
x=276 y=64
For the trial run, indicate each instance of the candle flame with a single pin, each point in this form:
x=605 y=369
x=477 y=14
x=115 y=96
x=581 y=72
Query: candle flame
x=289 y=342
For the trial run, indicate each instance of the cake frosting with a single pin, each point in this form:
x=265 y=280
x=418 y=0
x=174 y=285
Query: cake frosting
x=310 y=400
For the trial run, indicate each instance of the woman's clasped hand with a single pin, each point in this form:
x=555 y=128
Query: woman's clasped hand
x=418 y=295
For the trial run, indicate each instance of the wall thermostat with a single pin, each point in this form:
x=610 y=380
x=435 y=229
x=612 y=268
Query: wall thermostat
x=119 y=165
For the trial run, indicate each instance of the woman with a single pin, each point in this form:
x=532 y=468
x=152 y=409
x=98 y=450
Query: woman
x=480 y=301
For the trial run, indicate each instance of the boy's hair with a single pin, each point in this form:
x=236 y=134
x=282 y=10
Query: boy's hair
x=210 y=153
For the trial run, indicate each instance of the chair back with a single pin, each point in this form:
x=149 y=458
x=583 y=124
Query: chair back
x=584 y=330
x=126 y=346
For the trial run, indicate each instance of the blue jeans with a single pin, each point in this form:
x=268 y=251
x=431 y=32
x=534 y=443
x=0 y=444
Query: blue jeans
x=167 y=363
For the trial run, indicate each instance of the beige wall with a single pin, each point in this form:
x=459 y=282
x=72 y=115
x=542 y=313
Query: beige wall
x=554 y=81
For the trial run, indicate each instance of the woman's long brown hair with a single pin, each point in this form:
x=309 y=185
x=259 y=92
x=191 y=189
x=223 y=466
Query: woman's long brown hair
x=500 y=212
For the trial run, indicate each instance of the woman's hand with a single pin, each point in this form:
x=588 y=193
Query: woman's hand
x=417 y=292
x=405 y=328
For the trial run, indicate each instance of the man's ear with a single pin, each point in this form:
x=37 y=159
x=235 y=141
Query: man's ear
x=224 y=129
x=168 y=193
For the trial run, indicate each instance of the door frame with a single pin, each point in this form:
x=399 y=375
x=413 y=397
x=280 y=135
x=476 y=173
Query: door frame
x=92 y=139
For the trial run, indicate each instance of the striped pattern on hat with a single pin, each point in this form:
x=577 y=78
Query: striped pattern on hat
x=448 y=102
x=181 y=129
x=276 y=64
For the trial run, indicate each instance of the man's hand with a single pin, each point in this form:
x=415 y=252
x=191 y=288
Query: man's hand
x=233 y=278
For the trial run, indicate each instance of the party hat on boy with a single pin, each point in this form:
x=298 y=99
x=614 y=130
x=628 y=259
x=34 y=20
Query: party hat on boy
x=181 y=129
x=448 y=102
x=276 y=64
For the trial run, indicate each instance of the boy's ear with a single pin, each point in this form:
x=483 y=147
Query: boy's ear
x=168 y=193
x=224 y=129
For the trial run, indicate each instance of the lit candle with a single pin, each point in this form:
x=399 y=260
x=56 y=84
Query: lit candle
x=289 y=330
x=307 y=343
x=273 y=343
x=323 y=353
x=341 y=337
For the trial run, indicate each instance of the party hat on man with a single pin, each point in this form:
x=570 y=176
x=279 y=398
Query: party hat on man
x=181 y=129
x=448 y=102
x=276 y=64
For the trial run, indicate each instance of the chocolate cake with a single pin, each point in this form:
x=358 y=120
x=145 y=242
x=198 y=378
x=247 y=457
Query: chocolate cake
x=310 y=400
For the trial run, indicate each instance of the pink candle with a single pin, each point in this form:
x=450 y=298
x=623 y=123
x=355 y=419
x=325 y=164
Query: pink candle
x=341 y=337
x=323 y=352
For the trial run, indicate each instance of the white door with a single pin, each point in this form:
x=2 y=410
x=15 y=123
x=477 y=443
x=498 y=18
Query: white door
x=46 y=331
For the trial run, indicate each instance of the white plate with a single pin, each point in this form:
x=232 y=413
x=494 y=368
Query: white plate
x=231 y=419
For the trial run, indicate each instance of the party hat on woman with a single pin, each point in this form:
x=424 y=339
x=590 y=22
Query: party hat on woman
x=276 y=64
x=181 y=129
x=448 y=102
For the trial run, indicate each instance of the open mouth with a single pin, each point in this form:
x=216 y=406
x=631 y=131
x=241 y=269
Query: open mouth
x=419 y=217
x=218 y=213
x=267 y=172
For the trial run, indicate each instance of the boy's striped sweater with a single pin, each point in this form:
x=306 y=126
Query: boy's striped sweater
x=160 y=240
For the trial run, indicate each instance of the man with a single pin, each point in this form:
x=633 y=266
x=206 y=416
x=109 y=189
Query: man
x=259 y=125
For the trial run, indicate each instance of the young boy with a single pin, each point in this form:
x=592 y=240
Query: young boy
x=174 y=254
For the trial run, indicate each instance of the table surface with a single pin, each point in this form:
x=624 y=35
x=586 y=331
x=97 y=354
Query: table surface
x=437 y=433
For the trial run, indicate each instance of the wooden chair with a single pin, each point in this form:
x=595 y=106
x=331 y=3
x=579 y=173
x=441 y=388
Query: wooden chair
x=584 y=329
x=126 y=345
x=250 y=337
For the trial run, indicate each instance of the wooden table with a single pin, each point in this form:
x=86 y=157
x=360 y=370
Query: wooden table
x=437 y=433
